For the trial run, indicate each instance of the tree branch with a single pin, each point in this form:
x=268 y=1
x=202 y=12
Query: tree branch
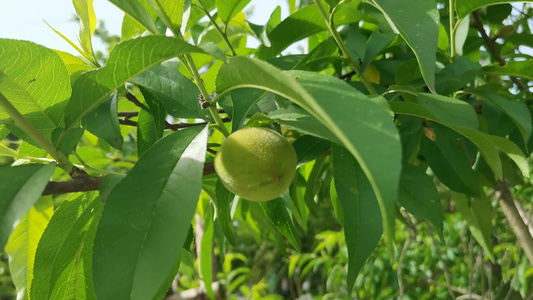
x=507 y=203
x=87 y=183
x=492 y=48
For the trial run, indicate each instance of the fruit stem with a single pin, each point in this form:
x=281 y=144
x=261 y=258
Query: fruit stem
x=351 y=61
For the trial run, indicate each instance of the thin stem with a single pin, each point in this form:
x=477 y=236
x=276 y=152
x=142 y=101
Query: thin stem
x=508 y=205
x=205 y=94
x=492 y=48
x=451 y=9
x=20 y=121
x=86 y=167
x=222 y=33
x=351 y=61
x=444 y=267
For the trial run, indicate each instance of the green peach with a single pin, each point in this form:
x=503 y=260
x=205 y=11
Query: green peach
x=256 y=163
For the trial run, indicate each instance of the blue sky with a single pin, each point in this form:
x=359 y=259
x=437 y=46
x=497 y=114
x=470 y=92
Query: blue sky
x=23 y=19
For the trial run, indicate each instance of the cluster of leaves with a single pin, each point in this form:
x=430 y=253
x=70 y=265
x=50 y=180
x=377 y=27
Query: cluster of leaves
x=396 y=105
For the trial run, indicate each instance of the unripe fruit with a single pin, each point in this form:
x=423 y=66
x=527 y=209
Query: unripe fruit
x=256 y=163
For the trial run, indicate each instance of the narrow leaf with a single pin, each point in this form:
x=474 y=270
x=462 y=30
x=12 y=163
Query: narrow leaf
x=151 y=122
x=137 y=12
x=227 y=9
x=277 y=214
x=522 y=69
x=146 y=218
x=417 y=21
x=361 y=213
x=103 y=122
x=224 y=199
x=206 y=250
x=237 y=104
x=517 y=111
x=464 y=8
x=478 y=216
x=420 y=197
x=127 y=60
x=22 y=244
x=63 y=257
x=20 y=187
x=170 y=12
x=85 y=11
x=177 y=93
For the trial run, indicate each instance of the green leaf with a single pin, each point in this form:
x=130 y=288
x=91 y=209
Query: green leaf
x=36 y=83
x=301 y=24
x=137 y=12
x=420 y=197
x=23 y=242
x=238 y=103
x=64 y=256
x=277 y=214
x=170 y=12
x=224 y=199
x=376 y=43
x=103 y=122
x=108 y=183
x=478 y=216
x=464 y=8
x=227 y=9
x=85 y=11
x=417 y=21
x=274 y=20
x=447 y=159
x=206 y=257
x=127 y=60
x=297 y=118
x=517 y=111
x=177 y=93
x=134 y=250
x=20 y=187
x=361 y=212
x=364 y=127
x=486 y=143
x=522 y=69
x=151 y=122
x=308 y=148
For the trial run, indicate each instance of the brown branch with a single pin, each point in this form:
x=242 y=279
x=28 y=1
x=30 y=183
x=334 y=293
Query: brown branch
x=128 y=114
x=91 y=183
x=78 y=184
x=521 y=230
x=492 y=48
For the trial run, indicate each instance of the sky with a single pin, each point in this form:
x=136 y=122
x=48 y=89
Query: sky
x=23 y=19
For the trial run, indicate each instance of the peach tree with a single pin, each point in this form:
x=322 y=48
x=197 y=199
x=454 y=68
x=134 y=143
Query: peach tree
x=397 y=111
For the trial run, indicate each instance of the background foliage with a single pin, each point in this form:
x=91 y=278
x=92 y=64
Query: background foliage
x=411 y=121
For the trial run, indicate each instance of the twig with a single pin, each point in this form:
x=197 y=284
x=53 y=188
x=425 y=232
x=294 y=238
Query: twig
x=78 y=184
x=400 y=260
x=86 y=183
x=444 y=267
x=328 y=18
x=492 y=48
x=217 y=28
x=128 y=114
